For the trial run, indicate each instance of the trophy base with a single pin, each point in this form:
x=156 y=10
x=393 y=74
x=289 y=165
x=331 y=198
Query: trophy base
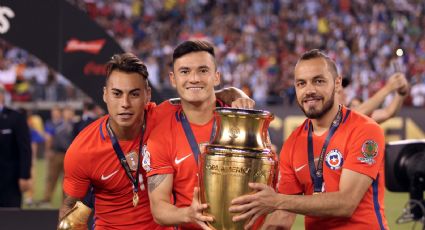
x=225 y=177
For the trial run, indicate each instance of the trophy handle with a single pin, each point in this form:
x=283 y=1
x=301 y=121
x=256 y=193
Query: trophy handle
x=201 y=194
x=76 y=218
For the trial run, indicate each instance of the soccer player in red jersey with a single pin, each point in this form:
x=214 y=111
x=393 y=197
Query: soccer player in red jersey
x=106 y=154
x=173 y=147
x=331 y=167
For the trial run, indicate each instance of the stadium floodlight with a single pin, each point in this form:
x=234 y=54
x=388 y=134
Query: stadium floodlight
x=405 y=172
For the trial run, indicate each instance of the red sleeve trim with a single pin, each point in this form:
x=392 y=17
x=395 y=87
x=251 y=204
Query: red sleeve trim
x=163 y=170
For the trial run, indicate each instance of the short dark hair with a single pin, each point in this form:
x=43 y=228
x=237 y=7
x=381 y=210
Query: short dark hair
x=192 y=46
x=126 y=62
x=315 y=53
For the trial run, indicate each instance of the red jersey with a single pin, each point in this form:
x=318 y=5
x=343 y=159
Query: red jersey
x=91 y=160
x=170 y=153
x=359 y=145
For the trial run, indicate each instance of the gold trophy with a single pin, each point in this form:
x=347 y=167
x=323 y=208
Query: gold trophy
x=76 y=218
x=239 y=153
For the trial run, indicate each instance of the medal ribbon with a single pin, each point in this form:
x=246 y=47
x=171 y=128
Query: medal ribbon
x=317 y=174
x=191 y=137
x=123 y=161
x=180 y=116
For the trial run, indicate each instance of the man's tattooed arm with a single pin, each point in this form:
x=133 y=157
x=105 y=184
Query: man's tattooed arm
x=155 y=180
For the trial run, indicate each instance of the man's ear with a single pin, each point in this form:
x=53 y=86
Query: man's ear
x=104 y=94
x=338 y=83
x=217 y=78
x=148 y=94
x=172 y=79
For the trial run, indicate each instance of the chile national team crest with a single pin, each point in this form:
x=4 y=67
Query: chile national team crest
x=334 y=159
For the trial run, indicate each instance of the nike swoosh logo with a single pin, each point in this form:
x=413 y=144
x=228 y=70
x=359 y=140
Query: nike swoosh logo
x=178 y=161
x=108 y=176
x=299 y=168
x=302 y=166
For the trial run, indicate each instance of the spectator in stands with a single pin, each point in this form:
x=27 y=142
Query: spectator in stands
x=88 y=116
x=15 y=155
x=396 y=87
x=37 y=136
x=50 y=132
x=255 y=37
x=60 y=142
x=418 y=94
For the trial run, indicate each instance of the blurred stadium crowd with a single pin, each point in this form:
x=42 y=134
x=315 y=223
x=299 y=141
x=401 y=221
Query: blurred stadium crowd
x=257 y=42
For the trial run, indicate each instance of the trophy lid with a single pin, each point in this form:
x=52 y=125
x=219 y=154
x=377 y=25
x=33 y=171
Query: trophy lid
x=246 y=112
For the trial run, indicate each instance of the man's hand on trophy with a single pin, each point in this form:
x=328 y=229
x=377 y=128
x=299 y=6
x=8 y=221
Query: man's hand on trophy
x=235 y=97
x=251 y=207
x=195 y=211
x=243 y=103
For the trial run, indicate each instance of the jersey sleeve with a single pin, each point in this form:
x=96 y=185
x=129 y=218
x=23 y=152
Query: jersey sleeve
x=287 y=182
x=76 y=180
x=155 y=113
x=366 y=150
x=157 y=157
